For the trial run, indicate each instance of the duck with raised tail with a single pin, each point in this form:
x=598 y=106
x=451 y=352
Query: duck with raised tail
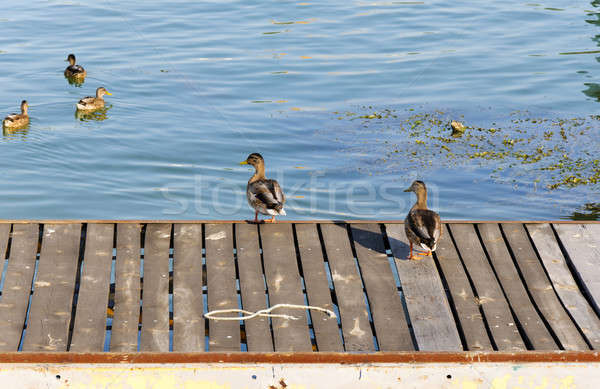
x=16 y=120
x=264 y=195
x=73 y=70
x=422 y=225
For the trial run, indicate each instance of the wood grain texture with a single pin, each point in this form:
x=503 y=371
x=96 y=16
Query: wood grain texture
x=354 y=316
x=564 y=283
x=252 y=287
x=525 y=312
x=155 y=294
x=89 y=328
x=285 y=287
x=541 y=289
x=386 y=306
x=497 y=312
x=326 y=329
x=188 y=322
x=124 y=334
x=17 y=284
x=463 y=297
x=221 y=285
x=430 y=314
x=582 y=243
x=4 y=235
x=51 y=303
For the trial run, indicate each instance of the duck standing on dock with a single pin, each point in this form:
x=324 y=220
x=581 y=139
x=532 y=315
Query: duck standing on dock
x=15 y=120
x=74 y=71
x=423 y=226
x=93 y=103
x=264 y=195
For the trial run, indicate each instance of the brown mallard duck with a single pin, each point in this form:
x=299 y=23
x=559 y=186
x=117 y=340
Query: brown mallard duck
x=93 y=103
x=74 y=71
x=422 y=226
x=15 y=120
x=264 y=195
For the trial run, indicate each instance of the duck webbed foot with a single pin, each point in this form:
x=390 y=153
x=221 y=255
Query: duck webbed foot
x=271 y=220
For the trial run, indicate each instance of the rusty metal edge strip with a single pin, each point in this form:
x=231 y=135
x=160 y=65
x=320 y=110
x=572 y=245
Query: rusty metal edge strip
x=303 y=358
x=327 y=221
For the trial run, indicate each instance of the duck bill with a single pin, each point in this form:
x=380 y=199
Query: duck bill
x=244 y=163
x=108 y=93
x=408 y=190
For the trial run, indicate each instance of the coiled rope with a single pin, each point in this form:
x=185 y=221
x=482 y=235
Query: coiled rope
x=265 y=312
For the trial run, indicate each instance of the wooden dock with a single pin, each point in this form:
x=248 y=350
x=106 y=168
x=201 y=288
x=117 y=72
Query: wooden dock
x=93 y=286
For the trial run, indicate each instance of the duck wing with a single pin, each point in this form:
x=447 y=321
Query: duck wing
x=267 y=192
x=425 y=224
x=12 y=117
x=276 y=191
x=75 y=69
x=87 y=100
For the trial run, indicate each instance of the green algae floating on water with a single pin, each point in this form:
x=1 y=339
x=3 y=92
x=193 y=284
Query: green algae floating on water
x=554 y=152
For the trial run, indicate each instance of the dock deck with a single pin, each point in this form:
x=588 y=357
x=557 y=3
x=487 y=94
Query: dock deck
x=93 y=286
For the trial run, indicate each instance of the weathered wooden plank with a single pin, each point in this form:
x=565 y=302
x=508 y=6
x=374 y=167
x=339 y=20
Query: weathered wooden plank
x=89 y=329
x=284 y=286
x=541 y=289
x=124 y=334
x=582 y=243
x=17 y=284
x=252 y=287
x=386 y=306
x=463 y=297
x=155 y=292
x=51 y=304
x=221 y=284
x=188 y=323
x=489 y=295
x=4 y=233
x=430 y=315
x=531 y=323
x=327 y=333
x=354 y=316
x=564 y=283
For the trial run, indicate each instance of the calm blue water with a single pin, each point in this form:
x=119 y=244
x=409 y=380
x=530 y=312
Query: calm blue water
x=197 y=86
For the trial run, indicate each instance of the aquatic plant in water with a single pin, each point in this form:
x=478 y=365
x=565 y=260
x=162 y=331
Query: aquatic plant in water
x=553 y=152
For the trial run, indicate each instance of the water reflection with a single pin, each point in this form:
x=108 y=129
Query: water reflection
x=78 y=82
x=96 y=116
x=593 y=89
x=589 y=211
x=16 y=133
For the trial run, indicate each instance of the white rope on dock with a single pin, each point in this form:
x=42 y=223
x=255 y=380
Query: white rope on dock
x=265 y=312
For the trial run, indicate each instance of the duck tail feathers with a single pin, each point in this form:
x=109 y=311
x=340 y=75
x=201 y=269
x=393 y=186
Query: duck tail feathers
x=276 y=212
x=429 y=244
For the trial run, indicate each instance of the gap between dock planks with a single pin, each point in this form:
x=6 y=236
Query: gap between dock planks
x=486 y=284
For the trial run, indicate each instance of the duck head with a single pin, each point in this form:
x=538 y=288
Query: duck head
x=71 y=59
x=24 y=107
x=254 y=159
x=101 y=92
x=417 y=187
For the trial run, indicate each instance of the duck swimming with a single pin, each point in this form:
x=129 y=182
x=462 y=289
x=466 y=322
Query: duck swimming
x=422 y=226
x=93 y=103
x=264 y=195
x=15 y=120
x=74 y=71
